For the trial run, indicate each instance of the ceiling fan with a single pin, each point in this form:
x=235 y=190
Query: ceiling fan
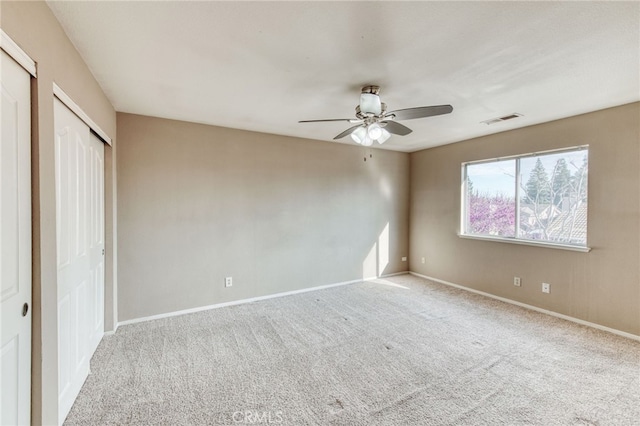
x=374 y=123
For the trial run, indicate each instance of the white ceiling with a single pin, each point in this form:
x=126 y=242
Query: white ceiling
x=265 y=65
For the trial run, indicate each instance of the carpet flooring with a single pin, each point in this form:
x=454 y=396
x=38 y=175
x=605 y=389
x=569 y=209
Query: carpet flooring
x=398 y=351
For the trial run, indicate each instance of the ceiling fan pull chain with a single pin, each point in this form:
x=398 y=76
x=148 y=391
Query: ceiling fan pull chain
x=365 y=153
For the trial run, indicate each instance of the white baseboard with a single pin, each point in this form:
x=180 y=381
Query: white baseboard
x=531 y=307
x=243 y=301
x=392 y=275
x=112 y=332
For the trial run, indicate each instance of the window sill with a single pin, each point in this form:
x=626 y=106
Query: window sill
x=527 y=242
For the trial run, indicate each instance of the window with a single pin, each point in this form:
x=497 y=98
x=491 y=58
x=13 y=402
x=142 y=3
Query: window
x=533 y=198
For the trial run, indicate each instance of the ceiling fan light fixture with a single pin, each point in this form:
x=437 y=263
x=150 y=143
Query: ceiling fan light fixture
x=370 y=104
x=359 y=135
x=374 y=131
x=383 y=137
x=367 y=141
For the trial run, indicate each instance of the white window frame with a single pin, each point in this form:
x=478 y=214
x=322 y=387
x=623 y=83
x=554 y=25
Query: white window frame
x=515 y=239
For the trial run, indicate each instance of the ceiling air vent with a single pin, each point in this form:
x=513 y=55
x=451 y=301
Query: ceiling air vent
x=503 y=118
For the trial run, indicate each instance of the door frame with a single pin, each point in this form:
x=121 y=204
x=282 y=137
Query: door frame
x=12 y=49
x=68 y=102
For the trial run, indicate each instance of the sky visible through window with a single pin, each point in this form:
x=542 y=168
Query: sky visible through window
x=499 y=177
x=493 y=178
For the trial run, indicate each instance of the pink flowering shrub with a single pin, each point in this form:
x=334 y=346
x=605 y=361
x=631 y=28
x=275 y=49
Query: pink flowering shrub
x=492 y=215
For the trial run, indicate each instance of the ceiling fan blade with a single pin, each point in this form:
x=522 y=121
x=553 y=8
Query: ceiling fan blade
x=350 y=120
x=420 y=112
x=347 y=132
x=396 y=128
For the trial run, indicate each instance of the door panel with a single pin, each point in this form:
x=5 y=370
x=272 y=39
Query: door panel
x=15 y=242
x=96 y=241
x=9 y=202
x=64 y=345
x=72 y=136
x=80 y=225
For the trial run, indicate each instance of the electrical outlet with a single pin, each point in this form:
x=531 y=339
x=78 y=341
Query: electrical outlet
x=546 y=287
x=228 y=281
x=516 y=281
x=423 y=260
x=404 y=258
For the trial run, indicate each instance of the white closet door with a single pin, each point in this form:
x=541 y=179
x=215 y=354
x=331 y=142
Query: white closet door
x=96 y=241
x=15 y=243
x=80 y=237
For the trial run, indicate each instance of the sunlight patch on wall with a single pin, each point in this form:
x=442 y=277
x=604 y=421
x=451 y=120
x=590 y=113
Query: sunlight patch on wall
x=377 y=259
x=370 y=262
x=383 y=250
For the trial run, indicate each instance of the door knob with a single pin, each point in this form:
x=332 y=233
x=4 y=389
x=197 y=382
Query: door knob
x=25 y=309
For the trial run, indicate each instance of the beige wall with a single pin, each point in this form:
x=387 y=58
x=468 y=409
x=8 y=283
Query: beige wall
x=33 y=27
x=602 y=286
x=198 y=203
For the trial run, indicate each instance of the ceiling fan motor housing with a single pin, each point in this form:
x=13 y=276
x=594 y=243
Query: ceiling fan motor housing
x=370 y=100
x=370 y=116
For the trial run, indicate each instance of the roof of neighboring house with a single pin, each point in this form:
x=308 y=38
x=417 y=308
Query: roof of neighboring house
x=569 y=226
x=542 y=211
